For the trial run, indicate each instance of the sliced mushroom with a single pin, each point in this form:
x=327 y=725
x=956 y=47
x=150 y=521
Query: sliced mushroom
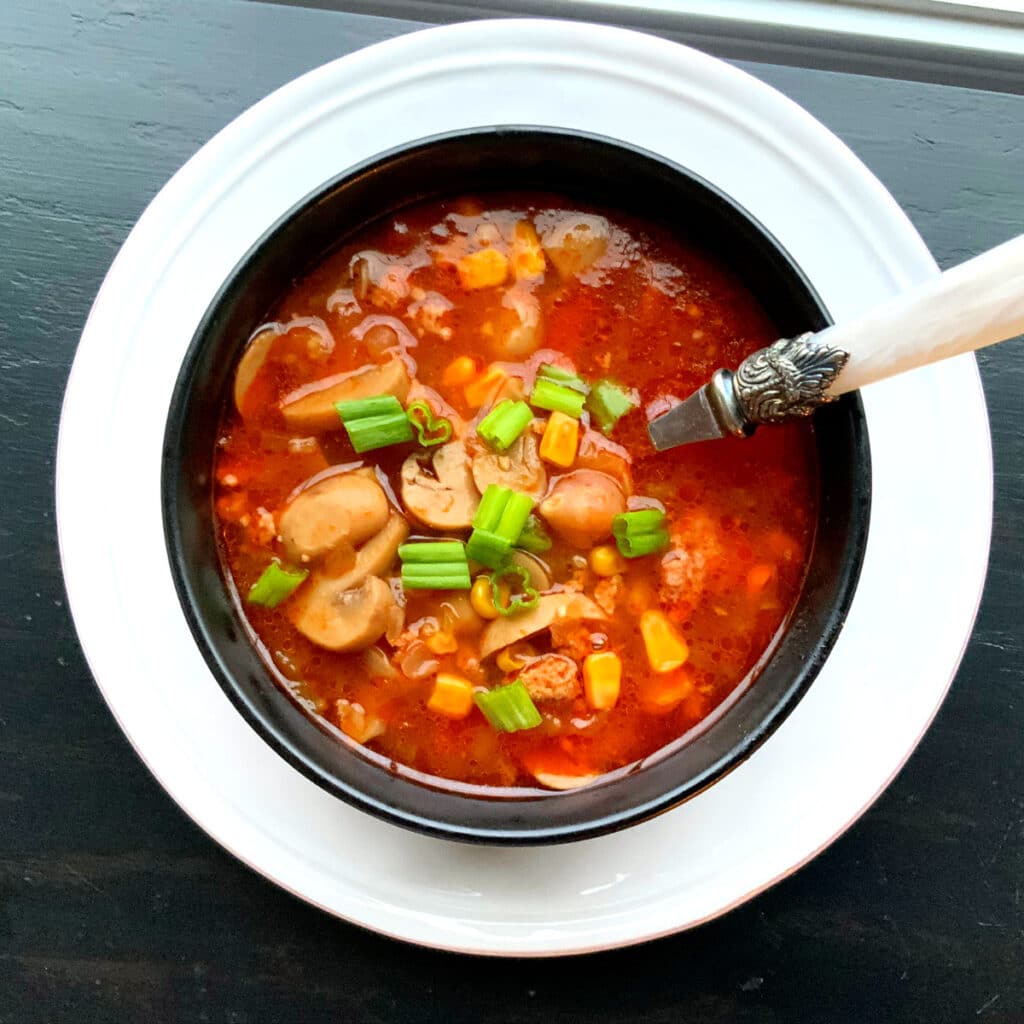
x=344 y=619
x=582 y=505
x=553 y=781
x=377 y=555
x=311 y=407
x=550 y=608
x=540 y=575
x=343 y=509
x=519 y=468
x=575 y=242
x=253 y=358
x=439 y=491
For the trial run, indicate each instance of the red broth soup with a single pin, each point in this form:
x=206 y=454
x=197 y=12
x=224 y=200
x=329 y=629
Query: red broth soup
x=447 y=527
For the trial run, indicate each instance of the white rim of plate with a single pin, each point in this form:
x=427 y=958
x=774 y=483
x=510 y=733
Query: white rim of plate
x=905 y=632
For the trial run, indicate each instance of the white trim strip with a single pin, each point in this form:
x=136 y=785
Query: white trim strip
x=972 y=26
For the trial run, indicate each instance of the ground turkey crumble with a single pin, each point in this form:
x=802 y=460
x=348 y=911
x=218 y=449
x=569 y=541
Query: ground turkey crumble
x=551 y=677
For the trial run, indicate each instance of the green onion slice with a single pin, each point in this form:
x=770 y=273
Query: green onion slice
x=608 y=402
x=275 y=585
x=490 y=508
x=643 y=544
x=430 y=430
x=534 y=538
x=555 y=373
x=521 y=601
x=434 y=565
x=498 y=522
x=508 y=708
x=547 y=394
x=487 y=548
x=378 y=431
x=374 y=422
x=504 y=423
x=446 y=577
x=427 y=551
x=640 y=533
x=363 y=408
x=513 y=516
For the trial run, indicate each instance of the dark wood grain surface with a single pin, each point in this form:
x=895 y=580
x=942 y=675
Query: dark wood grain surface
x=114 y=907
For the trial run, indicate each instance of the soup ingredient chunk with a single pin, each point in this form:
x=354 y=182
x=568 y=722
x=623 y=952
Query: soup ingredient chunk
x=452 y=695
x=345 y=619
x=439 y=490
x=550 y=608
x=551 y=677
x=602 y=679
x=310 y=408
x=376 y=556
x=518 y=469
x=509 y=708
x=356 y=723
x=485 y=268
x=518 y=328
x=347 y=508
x=666 y=649
x=251 y=363
x=275 y=585
x=582 y=507
x=575 y=242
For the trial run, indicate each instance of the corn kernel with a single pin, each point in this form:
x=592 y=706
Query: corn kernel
x=452 y=696
x=481 y=599
x=480 y=389
x=602 y=679
x=561 y=436
x=666 y=649
x=605 y=560
x=485 y=268
x=513 y=658
x=459 y=371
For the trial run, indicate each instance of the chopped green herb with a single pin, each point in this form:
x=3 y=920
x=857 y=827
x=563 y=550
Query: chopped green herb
x=608 y=402
x=547 y=394
x=434 y=565
x=508 y=708
x=498 y=522
x=567 y=377
x=522 y=599
x=640 y=533
x=534 y=537
x=374 y=422
x=275 y=585
x=504 y=423
x=430 y=430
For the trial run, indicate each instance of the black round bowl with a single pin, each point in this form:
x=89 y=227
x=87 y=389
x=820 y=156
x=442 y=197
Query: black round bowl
x=586 y=167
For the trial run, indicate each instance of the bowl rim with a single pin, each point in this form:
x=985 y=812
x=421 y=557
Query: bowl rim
x=382 y=808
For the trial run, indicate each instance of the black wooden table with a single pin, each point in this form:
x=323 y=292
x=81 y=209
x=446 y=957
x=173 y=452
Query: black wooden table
x=113 y=906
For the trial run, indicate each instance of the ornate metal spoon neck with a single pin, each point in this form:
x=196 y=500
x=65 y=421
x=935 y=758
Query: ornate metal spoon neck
x=788 y=378
x=726 y=406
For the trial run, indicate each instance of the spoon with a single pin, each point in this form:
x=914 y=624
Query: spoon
x=968 y=307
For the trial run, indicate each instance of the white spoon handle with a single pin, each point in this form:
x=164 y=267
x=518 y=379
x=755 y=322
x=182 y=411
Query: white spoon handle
x=972 y=305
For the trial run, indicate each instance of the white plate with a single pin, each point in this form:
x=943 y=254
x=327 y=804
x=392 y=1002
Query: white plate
x=886 y=677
